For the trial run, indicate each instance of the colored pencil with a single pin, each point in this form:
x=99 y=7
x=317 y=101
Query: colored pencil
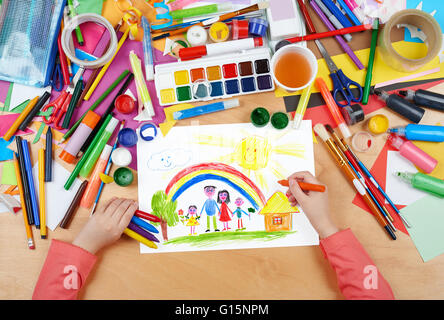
x=73 y=206
x=42 y=196
x=32 y=192
x=29 y=236
x=48 y=155
x=23 y=173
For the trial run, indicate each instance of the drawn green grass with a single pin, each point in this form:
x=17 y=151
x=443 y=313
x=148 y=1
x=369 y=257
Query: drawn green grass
x=208 y=239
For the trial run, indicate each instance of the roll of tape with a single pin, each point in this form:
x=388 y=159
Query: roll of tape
x=426 y=23
x=68 y=46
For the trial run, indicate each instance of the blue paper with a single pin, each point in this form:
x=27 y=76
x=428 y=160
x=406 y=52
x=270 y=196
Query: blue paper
x=429 y=7
x=5 y=153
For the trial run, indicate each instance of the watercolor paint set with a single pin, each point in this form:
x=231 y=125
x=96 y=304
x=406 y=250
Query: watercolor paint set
x=217 y=77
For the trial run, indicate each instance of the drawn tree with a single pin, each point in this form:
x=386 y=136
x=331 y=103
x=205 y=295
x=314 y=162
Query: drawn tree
x=165 y=209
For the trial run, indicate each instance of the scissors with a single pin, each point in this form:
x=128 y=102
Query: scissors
x=57 y=76
x=60 y=104
x=342 y=85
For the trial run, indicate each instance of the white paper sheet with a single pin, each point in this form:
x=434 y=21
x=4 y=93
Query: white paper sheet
x=57 y=198
x=398 y=190
x=159 y=161
x=21 y=93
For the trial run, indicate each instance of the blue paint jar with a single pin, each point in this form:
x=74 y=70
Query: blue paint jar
x=258 y=27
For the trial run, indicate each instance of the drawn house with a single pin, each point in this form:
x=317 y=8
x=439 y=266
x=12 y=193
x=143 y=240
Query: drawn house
x=277 y=213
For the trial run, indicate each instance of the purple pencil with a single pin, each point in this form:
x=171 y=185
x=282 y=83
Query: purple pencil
x=341 y=40
x=142 y=232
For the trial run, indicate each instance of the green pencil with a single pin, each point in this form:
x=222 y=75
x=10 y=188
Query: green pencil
x=85 y=156
x=95 y=105
x=371 y=59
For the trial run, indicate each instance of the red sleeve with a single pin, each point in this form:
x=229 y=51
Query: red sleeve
x=64 y=272
x=358 y=277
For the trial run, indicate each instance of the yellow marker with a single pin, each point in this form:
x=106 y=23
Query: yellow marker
x=138 y=237
x=42 y=199
x=302 y=106
x=378 y=124
x=105 y=67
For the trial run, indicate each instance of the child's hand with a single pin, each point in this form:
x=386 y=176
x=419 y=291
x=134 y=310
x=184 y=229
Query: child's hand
x=106 y=225
x=314 y=204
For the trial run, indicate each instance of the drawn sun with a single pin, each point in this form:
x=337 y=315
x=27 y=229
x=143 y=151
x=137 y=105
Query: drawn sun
x=253 y=153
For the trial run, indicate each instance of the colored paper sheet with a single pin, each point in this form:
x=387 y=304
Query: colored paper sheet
x=88 y=6
x=58 y=199
x=92 y=33
x=435 y=150
x=8 y=173
x=381 y=72
x=225 y=156
x=6 y=120
x=436 y=8
x=398 y=190
x=5 y=152
x=427 y=226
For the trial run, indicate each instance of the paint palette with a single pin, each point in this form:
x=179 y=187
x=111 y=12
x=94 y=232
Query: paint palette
x=216 y=77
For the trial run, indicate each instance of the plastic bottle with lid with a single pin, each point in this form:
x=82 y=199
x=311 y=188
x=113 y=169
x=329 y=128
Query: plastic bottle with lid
x=420 y=132
x=424 y=182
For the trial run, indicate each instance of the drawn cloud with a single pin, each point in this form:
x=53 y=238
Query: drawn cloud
x=169 y=159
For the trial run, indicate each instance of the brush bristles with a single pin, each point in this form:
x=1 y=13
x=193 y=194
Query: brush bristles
x=263 y=5
x=321 y=131
x=329 y=128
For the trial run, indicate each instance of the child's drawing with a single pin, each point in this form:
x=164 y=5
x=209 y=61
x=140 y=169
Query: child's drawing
x=204 y=191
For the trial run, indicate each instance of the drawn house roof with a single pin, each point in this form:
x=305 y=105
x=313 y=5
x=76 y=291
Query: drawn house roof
x=278 y=203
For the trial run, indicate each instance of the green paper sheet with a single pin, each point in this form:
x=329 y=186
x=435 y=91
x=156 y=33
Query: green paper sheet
x=426 y=217
x=89 y=6
x=8 y=173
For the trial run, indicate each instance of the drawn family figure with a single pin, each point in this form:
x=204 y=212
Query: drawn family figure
x=223 y=198
x=192 y=219
x=238 y=212
x=210 y=207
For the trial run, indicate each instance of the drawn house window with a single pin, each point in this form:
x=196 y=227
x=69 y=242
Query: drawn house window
x=277 y=220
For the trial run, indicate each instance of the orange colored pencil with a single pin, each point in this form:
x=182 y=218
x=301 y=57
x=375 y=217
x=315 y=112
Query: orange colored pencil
x=11 y=131
x=304 y=186
x=22 y=201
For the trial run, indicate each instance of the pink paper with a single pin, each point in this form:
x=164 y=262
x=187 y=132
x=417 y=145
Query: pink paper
x=6 y=121
x=92 y=33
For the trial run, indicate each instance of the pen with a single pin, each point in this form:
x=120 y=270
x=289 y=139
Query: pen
x=72 y=14
x=205 y=109
x=147 y=50
x=371 y=60
x=302 y=106
x=29 y=236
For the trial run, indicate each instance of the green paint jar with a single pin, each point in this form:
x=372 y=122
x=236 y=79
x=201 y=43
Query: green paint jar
x=260 y=117
x=123 y=176
x=279 y=120
x=424 y=182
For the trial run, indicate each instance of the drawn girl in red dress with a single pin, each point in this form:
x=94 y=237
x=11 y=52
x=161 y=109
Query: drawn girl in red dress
x=223 y=198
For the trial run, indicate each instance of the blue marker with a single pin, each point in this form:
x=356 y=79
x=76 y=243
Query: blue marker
x=420 y=132
x=350 y=14
x=32 y=194
x=147 y=50
x=338 y=14
x=143 y=224
x=209 y=108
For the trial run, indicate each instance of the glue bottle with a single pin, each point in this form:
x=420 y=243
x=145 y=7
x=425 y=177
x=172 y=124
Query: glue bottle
x=425 y=98
x=411 y=152
x=420 y=132
x=401 y=106
x=424 y=182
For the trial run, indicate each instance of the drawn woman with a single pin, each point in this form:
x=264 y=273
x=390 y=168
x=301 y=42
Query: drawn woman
x=223 y=198
x=192 y=220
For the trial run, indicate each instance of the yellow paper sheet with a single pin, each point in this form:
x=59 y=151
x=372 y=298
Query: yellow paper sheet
x=381 y=71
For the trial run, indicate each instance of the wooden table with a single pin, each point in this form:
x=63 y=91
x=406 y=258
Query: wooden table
x=122 y=272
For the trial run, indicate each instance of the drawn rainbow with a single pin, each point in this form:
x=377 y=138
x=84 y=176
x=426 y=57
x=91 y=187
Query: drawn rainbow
x=215 y=171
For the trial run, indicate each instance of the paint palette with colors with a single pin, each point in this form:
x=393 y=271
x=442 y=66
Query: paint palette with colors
x=216 y=77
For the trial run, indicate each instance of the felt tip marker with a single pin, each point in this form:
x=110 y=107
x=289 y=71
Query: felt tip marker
x=209 y=108
x=213 y=49
x=332 y=18
x=355 y=9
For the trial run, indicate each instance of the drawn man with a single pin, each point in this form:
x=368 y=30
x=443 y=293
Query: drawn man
x=210 y=207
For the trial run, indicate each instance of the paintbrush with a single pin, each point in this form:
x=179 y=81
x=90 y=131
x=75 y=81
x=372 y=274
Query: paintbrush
x=223 y=17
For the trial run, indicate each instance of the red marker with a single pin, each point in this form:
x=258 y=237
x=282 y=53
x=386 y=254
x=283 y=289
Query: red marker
x=220 y=48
